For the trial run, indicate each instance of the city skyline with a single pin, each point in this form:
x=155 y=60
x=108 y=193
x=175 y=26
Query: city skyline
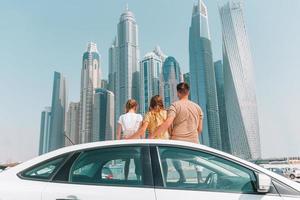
x=167 y=49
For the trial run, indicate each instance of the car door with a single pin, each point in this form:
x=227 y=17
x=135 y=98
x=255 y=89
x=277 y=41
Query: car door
x=188 y=174
x=108 y=173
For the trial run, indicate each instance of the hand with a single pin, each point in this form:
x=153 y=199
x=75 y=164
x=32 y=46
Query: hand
x=126 y=137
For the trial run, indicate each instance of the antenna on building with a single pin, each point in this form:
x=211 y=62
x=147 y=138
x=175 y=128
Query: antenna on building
x=127 y=8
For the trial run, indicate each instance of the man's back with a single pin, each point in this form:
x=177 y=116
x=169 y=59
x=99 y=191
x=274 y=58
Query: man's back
x=187 y=116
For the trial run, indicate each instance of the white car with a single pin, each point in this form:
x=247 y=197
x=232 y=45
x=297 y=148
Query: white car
x=142 y=169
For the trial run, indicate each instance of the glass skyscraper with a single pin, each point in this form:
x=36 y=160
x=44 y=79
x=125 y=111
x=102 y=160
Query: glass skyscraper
x=202 y=76
x=150 y=70
x=221 y=103
x=103 y=115
x=90 y=80
x=170 y=77
x=240 y=98
x=58 y=112
x=45 y=131
x=127 y=67
x=72 y=124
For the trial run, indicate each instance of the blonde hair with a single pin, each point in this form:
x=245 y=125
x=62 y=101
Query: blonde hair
x=131 y=104
x=156 y=103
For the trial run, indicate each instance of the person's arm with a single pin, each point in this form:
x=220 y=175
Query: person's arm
x=200 y=126
x=119 y=130
x=164 y=126
x=140 y=132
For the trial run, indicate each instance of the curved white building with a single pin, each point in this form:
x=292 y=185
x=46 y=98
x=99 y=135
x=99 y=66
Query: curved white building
x=90 y=80
x=240 y=98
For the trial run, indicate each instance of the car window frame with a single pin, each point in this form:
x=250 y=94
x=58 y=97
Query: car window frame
x=65 y=157
x=146 y=161
x=159 y=179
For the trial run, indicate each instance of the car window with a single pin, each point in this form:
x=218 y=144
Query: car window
x=189 y=169
x=44 y=170
x=109 y=166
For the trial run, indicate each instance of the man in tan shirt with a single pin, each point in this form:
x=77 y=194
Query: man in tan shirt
x=184 y=117
x=184 y=122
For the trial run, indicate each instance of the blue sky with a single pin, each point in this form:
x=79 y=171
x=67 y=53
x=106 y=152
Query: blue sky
x=38 y=37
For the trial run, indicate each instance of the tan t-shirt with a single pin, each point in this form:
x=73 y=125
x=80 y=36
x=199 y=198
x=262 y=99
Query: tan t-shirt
x=187 y=116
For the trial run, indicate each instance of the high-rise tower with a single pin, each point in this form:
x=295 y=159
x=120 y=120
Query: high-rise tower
x=58 y=112
x=45 y=131
x=151 y=67
x=72 y=124
x=219 y=74
x=240 y=98
x=170 y=77
x=90 y=80
x=128 y=55
x=202 y=76
x=103 y=115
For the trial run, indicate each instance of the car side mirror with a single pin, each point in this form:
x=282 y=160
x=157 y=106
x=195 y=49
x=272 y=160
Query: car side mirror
x=263 y=183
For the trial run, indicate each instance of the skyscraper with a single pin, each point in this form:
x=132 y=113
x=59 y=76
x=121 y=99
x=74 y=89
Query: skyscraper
x=221 y=103
x=240 y=98
x=103 y=115
x=113 y=61
x=58 y=112
x=187 y=79
x=150 y=67
x=128 y=55
x=170 y=77
x=72 y=124
x=45 y=131
x=90 y=80
x=202 y=76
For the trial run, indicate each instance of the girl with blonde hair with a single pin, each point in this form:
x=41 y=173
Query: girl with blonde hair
x=153 y=119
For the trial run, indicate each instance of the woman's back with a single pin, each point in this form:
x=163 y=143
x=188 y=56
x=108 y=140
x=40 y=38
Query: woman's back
x=155 y=119
x=130 y=123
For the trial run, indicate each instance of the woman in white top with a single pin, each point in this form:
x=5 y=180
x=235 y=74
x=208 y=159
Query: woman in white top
x=129 y=122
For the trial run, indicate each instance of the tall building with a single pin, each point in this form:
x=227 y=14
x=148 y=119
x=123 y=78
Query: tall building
x=202 y=76
x=104 y=84
x=113 y=66
x=90 y=80
x=170 y=77
x=72 y=124
x=45 y=131
x=187 y=79
x=58 y=112
x=103 y=115
x=221 y=104
x=128 y=55
x=240 y=98
x=150 y=68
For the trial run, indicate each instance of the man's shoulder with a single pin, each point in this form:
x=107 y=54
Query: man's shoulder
x=195 y=104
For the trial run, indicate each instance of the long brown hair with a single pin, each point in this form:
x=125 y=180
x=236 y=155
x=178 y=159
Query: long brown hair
x=156 y=103
x=131 y=104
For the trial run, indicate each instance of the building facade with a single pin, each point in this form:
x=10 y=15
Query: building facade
x=187 y=79
x=218 y=65
x=90 y=80
x=58 y=112
x=128 y=54
x=240 y=97
x=202 y=76
x=170 y=77
x=72 y=124
x=150 y=70
x=103 y=115
x=45 y=131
